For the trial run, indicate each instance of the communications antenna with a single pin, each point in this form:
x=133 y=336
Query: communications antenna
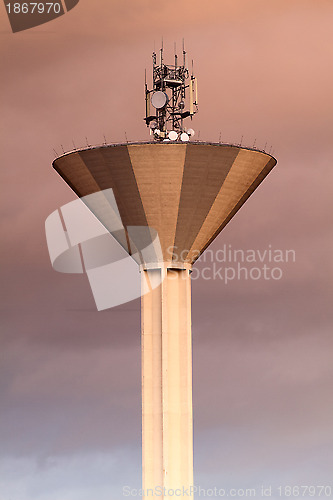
x=173 y=98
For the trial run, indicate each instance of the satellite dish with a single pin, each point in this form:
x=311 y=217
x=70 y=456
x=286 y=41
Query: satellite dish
x=190 y=132
x=173 y=136
x=184 y=137
x=159 y=99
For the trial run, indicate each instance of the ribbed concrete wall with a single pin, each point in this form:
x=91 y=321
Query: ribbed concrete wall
x=187 y=192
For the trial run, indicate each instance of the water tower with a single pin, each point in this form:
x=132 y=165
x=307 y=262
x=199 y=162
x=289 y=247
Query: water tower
x=187 y=191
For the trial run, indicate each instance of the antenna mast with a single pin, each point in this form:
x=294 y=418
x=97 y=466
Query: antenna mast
x=174 y=90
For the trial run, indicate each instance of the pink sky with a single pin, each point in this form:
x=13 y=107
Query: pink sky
x=263 y=407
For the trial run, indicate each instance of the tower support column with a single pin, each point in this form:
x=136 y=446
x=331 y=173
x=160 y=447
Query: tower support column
x=166 y=343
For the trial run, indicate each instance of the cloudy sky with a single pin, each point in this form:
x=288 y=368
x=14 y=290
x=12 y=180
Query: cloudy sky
x=263 y=350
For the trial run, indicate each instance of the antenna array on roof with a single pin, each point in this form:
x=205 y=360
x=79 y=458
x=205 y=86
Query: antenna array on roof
x=173 y=98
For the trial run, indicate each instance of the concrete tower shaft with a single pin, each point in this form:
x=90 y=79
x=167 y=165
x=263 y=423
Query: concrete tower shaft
x=166 y=343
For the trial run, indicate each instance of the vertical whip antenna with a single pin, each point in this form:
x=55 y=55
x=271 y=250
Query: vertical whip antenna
x=161 y=54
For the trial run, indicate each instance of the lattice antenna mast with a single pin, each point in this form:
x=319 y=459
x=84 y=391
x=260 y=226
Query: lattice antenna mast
x=173 y=98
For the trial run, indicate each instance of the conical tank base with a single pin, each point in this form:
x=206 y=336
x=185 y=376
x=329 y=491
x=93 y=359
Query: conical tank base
x=186 y=192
